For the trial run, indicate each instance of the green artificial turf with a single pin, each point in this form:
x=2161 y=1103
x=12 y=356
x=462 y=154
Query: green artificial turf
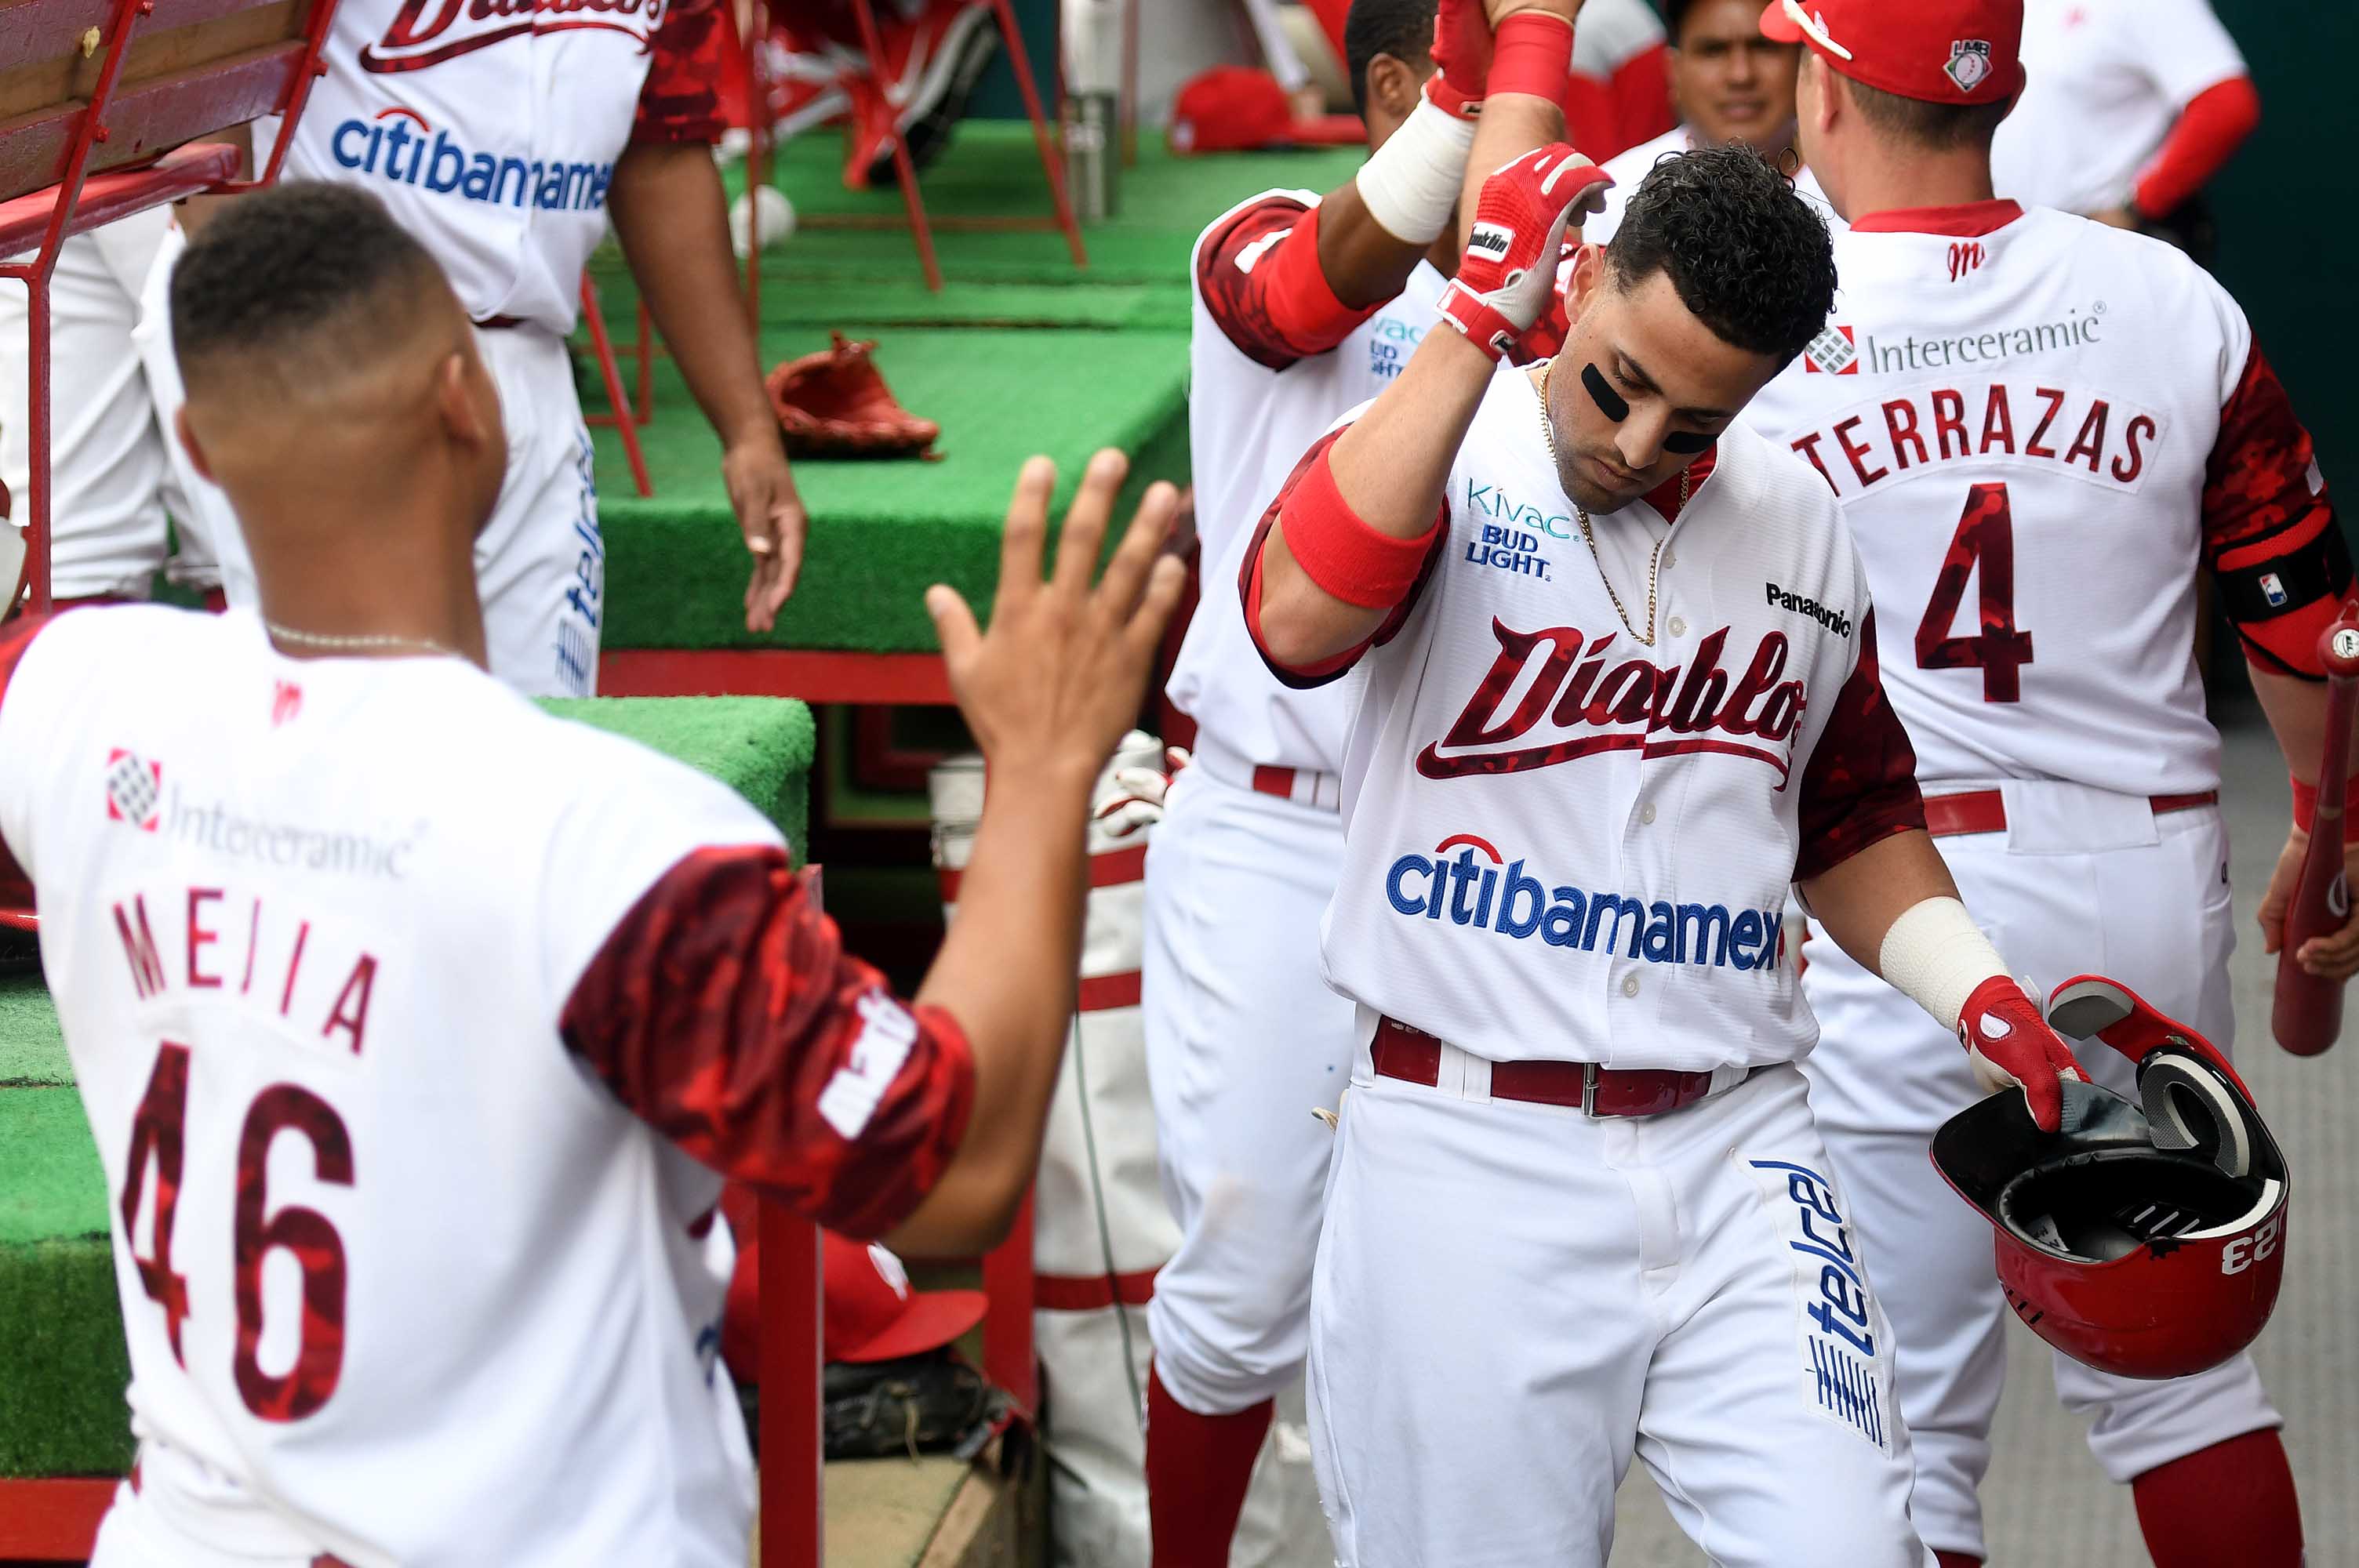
x=62 y=1363
x=676 y=564
x=761 y=747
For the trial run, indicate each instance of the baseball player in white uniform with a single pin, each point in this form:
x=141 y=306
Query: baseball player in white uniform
x=2129 y=108
x=1728 y=84
x=1621 y=694
x=1305 y=307
x=408 y=1019
x=2040 y=429
x=508 y=144
x=118 y=490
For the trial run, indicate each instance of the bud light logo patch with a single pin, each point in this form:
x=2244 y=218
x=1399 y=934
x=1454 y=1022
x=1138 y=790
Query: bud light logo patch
x=398 y=145
x=1464 y=882
x=1846 y=1374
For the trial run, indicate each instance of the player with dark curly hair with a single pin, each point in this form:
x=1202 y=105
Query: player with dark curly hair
x=1620 y=693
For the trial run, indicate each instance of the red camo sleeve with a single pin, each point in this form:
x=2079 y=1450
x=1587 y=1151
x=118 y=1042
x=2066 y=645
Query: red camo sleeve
x=1249 y=581
x=2208 y=131
x=724 y=1013
x=1258 y=273
x=1861 y=785
x=2270 y=531
x=16 y=888
x=681 y=101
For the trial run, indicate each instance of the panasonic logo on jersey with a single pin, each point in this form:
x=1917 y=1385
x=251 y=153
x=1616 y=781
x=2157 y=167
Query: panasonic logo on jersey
x=1833 y=619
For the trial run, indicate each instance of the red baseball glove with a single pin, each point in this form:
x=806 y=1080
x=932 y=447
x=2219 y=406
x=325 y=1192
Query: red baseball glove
x=834 y=403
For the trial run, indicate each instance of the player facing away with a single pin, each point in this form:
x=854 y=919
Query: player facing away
x=1621 y=695
x=510 y=147
x=1306 y=307
x=2041 y=429
x=413 y=1024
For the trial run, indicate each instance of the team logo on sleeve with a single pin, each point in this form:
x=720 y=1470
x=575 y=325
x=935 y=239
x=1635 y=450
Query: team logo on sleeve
x=1832 y=352
x=134 y=788
x=1970 y=62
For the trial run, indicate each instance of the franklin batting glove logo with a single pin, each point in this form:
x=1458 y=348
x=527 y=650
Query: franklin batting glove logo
x=1492 y=240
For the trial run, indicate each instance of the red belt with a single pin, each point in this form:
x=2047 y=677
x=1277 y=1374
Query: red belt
x=500 y=323
x=1279 y=781
x=1415 y=1057
x=1984 y=810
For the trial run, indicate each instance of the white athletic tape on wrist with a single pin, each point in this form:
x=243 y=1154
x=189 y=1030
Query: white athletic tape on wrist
x=1935 y=955
x=1410 y=185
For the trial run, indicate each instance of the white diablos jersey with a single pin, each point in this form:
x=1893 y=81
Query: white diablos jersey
x=2106 y=81
x=1563 y=844
x=491 y=129
x=2038 y=427
x=1256 y=402
x=399 y=1266
x=1630 y=167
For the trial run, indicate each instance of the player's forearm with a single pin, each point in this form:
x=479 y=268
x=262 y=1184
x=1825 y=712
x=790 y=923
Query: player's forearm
x=194 y=212
x=1389 y=469
x=1364 y=262
x=1856 y=901
x=1008 y=971
x=2297 y=713
x=1375 y=230
x=672 y=220
x=1512 y=123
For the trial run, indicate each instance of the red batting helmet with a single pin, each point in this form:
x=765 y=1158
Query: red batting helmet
x=2144 y=1239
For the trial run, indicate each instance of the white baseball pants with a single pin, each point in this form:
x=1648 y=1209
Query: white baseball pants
x=2082 y=881
x=1511 y=1299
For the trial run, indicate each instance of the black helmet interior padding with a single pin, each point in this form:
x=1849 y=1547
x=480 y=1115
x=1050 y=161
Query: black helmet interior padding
x=2107 y=1205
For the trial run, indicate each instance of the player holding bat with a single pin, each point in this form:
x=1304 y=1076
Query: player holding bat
x=2307 y=1016
x=2040 y=429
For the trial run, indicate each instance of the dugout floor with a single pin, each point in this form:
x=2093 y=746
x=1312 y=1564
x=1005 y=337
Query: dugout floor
x=2048 y=1505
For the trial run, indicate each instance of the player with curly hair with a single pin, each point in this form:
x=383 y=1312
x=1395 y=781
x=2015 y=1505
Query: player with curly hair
x=1621 y=693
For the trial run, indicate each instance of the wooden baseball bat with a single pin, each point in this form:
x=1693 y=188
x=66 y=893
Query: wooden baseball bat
x=2307 y=1016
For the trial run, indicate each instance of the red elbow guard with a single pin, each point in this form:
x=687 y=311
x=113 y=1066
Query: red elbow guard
x=1348 y=559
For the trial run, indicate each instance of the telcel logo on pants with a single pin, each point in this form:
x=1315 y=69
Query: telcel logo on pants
x=396 y=146
x=1502 y=898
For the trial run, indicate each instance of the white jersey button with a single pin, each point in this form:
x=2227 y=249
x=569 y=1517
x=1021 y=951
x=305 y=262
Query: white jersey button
x=1647 y=814
x=1679 y=627
x=1630 y=984
x=1670 y=559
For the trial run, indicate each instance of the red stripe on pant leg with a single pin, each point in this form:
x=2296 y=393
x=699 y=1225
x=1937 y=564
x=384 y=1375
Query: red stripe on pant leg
x=1092 y=1292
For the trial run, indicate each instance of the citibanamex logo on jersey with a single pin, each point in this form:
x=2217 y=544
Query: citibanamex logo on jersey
x=1491 y=894
x=135 y=789
x=1572 y=699
x=428 y=32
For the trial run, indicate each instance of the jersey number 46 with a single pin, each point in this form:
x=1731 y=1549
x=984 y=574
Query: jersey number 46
x=157 y=1139
x=1985 y=536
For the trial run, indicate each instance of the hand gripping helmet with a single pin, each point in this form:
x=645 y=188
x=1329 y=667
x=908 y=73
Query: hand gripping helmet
x=2143 y=1239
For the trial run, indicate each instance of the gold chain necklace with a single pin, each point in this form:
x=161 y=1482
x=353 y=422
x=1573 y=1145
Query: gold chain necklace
x=370 y=643
x=1654 y=564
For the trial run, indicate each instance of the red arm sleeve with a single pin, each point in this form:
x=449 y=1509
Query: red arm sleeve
x=2269 y=534
x=724 y=1013
x=1249 y=581
x=681 y=99
x=16 y=888
x=1258 y=273
x=2210 y=129
x=1861 y=785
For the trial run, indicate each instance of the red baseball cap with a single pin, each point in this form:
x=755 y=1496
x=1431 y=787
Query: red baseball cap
x=1235 y=108
x=1941 y=51
x=872 y=1315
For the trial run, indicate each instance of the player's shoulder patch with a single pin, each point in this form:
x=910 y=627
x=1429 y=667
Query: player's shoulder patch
x=1273 y=211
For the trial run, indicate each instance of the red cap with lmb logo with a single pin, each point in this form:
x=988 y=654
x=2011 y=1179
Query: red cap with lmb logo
x=1941 y=51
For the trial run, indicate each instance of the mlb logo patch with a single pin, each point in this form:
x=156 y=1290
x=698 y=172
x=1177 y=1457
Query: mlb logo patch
x=1490 y=240
x=2273 y=589
x=133 y=789
x=1970 y=62
x=1831 y=352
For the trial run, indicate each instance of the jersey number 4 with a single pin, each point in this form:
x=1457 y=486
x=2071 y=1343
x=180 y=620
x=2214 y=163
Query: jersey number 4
x=1985 y=536
x=157 y=1139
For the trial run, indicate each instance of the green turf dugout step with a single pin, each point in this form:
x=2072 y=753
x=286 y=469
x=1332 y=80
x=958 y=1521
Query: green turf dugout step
x=882 y=531
x=63 y=1364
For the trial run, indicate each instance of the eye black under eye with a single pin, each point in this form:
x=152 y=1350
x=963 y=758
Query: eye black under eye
x=1687 y=441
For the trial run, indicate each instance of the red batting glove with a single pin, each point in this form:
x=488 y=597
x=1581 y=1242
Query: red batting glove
x=2011 y=1046
x=1508 y=275
x=1461 y=54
